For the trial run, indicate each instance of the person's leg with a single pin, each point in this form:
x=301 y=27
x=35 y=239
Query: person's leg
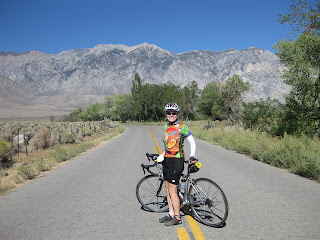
x=171 y=207
x=174 y=198
x=171 y=211
x=172 y=170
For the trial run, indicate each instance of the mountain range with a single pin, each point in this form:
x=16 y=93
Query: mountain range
x=37 y=84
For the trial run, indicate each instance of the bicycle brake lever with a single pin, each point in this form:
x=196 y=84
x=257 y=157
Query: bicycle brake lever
x=143 y=168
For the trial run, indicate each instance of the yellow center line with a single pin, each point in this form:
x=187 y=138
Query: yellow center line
x=195 y=228
x=183 y=234
x=157 y=148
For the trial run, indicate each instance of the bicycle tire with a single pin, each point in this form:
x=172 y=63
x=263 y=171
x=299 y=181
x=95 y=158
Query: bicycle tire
x=151 y=193
x=208 y=202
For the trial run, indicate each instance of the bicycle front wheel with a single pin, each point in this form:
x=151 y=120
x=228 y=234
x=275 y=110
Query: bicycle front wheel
x=208 y=202
x=151 y=194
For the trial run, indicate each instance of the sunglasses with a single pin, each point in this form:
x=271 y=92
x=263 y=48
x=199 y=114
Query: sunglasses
x=172 y=113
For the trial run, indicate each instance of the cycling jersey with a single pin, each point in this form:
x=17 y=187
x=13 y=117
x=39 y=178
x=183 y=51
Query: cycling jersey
x=173 y=139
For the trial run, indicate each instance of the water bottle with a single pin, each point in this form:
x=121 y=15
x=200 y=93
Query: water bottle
x=182 y=185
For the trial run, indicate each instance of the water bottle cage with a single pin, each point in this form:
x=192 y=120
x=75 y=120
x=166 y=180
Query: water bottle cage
x=182 y=185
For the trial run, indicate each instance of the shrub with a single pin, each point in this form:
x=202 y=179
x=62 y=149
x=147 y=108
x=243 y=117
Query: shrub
x=42 y=165
x=79 y=138
x=44 y=138
x=87 y=131
x=17 y=178
x=41 y=139
x=300 y=155
x=67 y=138
x=54 y=139
x=5 y=152
x=3 y=188
x=27 y=172
x=34 y=142
x=60 y=154
x=3 y=172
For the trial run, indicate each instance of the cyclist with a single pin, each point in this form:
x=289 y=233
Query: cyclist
x=173 y=160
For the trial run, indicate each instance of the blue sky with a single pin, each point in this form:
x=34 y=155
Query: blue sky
x=53 y=26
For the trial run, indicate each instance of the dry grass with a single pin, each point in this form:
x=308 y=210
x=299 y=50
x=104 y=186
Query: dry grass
x=26 y=168
x=300 y=155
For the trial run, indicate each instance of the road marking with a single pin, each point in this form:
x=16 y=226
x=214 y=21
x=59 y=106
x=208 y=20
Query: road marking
x=183 y=234
x=157 y=148
x=195 y=228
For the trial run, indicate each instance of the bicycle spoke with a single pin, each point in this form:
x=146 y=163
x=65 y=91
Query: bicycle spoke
x=208 y=202
x=151 y=194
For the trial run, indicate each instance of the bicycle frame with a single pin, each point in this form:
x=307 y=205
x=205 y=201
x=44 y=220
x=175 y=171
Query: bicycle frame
x=189 y=181
x=184 y=196
x=205 y=198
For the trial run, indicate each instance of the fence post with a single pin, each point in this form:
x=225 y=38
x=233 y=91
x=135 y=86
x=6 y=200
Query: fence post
x=25 y=143
x=18 y=143
x=12 y=147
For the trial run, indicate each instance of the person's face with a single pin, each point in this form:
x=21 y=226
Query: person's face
x=172 y=116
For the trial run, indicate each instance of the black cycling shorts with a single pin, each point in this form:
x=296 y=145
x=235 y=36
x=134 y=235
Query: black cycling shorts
x=172 y=169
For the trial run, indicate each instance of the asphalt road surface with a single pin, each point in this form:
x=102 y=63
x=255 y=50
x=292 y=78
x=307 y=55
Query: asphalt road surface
x=93 y=197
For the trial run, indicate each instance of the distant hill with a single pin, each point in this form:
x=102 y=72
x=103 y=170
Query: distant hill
x=36 y=83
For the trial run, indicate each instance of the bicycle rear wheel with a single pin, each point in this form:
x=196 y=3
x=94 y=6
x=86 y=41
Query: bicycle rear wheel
x=151 y=193
x=208 y=202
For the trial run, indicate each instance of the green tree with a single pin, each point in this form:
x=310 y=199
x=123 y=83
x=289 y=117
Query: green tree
x=150 y=103
x=123 y=107
x=263 y=115
x=138 y=98
x=303 y=16
x=154 y=94
x=189 y=100
x=92 y=113
x=52 y=118
x=301 y=58
x=210 y=101
x=232 y=99
x=149 y=99
x=222 y=101
x=75 y=116
x=171 y=93
x=109 y=108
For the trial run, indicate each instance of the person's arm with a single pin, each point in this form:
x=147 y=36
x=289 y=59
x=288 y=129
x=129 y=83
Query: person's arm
x=161 y=157
x=192 y=146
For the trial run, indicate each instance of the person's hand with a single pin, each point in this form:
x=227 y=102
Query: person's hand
x=160 y=158
x=192 y=160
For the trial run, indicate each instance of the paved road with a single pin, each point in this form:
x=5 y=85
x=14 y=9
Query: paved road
x=93 y=197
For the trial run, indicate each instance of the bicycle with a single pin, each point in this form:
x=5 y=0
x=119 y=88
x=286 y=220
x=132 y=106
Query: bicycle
x=205 y=198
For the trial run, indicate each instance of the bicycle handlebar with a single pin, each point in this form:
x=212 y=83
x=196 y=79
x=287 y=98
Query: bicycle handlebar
x=154 y=157
x=150 y=157
x=146 y=167
x=195 y=159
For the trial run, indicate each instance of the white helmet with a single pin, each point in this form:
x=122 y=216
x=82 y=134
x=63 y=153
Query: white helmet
x=172 y=107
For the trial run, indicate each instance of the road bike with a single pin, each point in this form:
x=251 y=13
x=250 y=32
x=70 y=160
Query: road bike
x=206 y=199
